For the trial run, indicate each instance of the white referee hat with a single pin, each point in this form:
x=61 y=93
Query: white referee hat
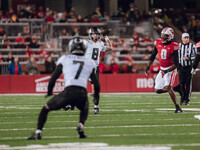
x=185 y=35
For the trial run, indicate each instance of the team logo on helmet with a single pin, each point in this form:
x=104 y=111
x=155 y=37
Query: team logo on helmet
x=168 y=31
x=77 y=46
x=94 y=30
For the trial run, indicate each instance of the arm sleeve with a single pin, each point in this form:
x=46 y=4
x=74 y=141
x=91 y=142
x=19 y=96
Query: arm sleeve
x=153 y=54
x=85 y=42
x=196 y=61
x=96 y=83
x=175 y=58
x=53 y=79
x=194 y=52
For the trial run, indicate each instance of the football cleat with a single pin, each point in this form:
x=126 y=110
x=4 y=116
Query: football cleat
x=96 y=109
x=80 y=131
x=181 y=101
x=178 y=110
x=35 y=136
x=187 y=103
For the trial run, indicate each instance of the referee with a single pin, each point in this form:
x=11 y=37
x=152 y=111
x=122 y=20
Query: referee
x=186 y=56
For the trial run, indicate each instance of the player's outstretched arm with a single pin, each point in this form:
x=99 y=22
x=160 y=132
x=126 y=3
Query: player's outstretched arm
x=109 y=46
x=53 y=79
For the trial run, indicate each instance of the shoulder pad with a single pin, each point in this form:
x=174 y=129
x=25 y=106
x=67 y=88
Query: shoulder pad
x=157 y=41
x=176 y=47
x=175 y=43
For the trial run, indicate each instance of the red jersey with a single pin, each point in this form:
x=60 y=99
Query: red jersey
x=198 y=46
x=165 y=52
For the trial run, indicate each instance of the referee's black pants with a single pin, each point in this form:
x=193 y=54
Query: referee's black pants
x=185 y=81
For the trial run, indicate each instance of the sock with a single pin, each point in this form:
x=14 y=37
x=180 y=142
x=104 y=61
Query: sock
x=96 y=106
x=38 y=131
x=42 y=118
x=80 y=126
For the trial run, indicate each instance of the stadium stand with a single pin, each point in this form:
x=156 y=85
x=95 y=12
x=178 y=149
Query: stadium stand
x=129 y=32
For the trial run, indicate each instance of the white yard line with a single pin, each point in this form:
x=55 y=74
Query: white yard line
x=107 y=135
x=185 y=109
x=106 y=127
x=99 y=115
x=84 y=146
x=133 y=119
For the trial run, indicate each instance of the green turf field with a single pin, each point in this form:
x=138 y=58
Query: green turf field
x=124 y=119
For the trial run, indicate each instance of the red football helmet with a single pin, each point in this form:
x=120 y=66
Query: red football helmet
x=167 y=31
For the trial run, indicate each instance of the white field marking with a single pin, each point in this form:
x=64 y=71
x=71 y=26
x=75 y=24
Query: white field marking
x=91 y=116
x=107 y=135
x=33 y=122
x=149 y=103
x=103 y=110
x=106 y=127
x=107 y=103
x=137 y=110
x=197 y=117
x=187 y=109
x=84 y=146
x=15 y=107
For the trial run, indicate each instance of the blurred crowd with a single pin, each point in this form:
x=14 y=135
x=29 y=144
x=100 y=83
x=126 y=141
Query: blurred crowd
x=186 y=20
x=127 y=51
x=98 y=16
x=120 y=60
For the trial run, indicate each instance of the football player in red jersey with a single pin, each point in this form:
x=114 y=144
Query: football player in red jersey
x=197 y=59
x=167 y=51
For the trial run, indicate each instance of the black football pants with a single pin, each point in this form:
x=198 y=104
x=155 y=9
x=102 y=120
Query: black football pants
x=72 y=95
x=185 y=81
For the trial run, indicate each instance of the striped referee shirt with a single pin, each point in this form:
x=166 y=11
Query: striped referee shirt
x=189 y=50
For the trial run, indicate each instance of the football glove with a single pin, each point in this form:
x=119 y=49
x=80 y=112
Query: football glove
x=147 y=71
x=193 y=71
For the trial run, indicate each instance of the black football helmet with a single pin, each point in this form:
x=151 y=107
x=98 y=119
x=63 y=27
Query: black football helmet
x=77 y=46
x=94 y=30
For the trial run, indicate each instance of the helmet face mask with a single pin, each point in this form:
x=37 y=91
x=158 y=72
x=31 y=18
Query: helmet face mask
x=167 y=34
x=94 y=34
x=77 y=46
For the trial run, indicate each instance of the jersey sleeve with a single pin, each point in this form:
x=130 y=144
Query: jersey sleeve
x=156 y=42
x=60 y=60
x=176 y=47
x=85 y=42
x=195 y=49
x=103 y=46
x=198 y=46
